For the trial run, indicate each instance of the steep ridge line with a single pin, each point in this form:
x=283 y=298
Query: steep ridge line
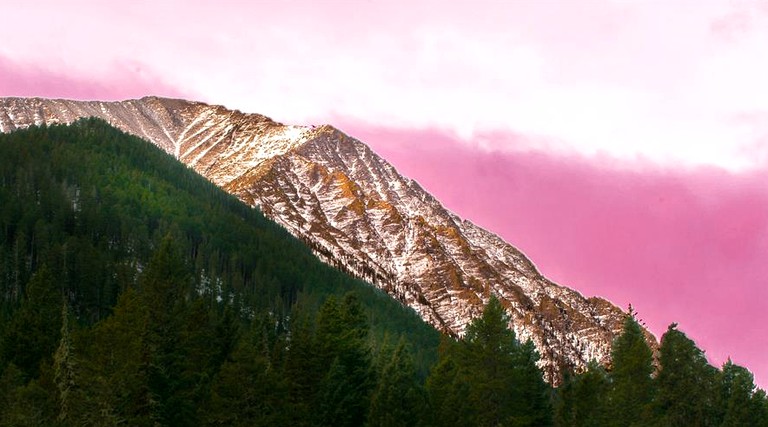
x=357 y=213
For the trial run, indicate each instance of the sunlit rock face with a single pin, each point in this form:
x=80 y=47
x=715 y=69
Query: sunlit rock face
x=358 y=213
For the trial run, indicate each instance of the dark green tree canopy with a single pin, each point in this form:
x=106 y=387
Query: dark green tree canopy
x=685 y=394
x=489 y=378
x=632 y=387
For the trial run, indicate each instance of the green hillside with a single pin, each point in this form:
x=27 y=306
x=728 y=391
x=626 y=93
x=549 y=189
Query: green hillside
x=92 y=204
x=87 y=207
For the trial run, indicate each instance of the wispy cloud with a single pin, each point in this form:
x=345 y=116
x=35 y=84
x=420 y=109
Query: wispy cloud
x=123 y=80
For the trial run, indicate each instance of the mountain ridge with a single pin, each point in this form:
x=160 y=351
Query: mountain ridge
x=358 y=213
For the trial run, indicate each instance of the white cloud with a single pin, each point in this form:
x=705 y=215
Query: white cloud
x=625 y=78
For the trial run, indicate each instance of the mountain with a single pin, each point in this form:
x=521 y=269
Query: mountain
x=357 y=213
x=93 y=204
x=134 y=291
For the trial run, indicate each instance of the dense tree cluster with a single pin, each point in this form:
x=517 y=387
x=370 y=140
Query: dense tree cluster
x=683 y=390
x=90 y=205
x=134 y=292
x=489 y=378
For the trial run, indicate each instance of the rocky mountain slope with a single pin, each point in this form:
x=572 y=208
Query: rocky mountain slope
x=358 y=213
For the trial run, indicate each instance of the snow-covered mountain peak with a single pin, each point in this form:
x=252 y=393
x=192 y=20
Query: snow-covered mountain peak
x=358 y=213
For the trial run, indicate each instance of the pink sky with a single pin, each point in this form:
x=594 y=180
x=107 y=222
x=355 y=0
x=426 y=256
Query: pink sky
x=622 y=145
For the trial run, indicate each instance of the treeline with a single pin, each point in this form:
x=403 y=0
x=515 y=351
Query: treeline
x=134 y=292
x=169 y=356
x=489 y=378
x=684 y=390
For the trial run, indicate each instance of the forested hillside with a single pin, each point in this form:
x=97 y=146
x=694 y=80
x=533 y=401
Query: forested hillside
x=134 y=292
x=84 y=211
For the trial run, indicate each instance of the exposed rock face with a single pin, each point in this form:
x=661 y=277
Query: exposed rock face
x=358 y=213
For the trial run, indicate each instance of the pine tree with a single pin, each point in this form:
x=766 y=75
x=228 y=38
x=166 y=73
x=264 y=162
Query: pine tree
x=248 y=391
x=447 y=390
x=116 y=357
x=631 y=389
x=742 y=404
x=398 y=399
x=33 y=404
x=33 y=333
x=685 y=386
x=303 y=369
x=342 y=333
x=759 y=408
x=581 y=398
x=536 y=400
x=165 y=286
x=490 y=351
x=489 y=378
x=10 y=381
x=65 y=371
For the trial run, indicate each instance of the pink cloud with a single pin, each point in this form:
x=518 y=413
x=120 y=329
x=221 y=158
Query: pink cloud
x=124 y=81
x=730 y=26
x=684 y=246
x=740 y=19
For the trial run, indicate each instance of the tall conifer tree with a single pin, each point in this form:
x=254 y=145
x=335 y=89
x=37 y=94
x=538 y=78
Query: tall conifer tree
x=398 y=399
x=685 y=386
x=631 y=389
x=581 y=398
x=490 y=377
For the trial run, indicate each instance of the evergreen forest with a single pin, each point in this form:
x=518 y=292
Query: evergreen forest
x=134 y=292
